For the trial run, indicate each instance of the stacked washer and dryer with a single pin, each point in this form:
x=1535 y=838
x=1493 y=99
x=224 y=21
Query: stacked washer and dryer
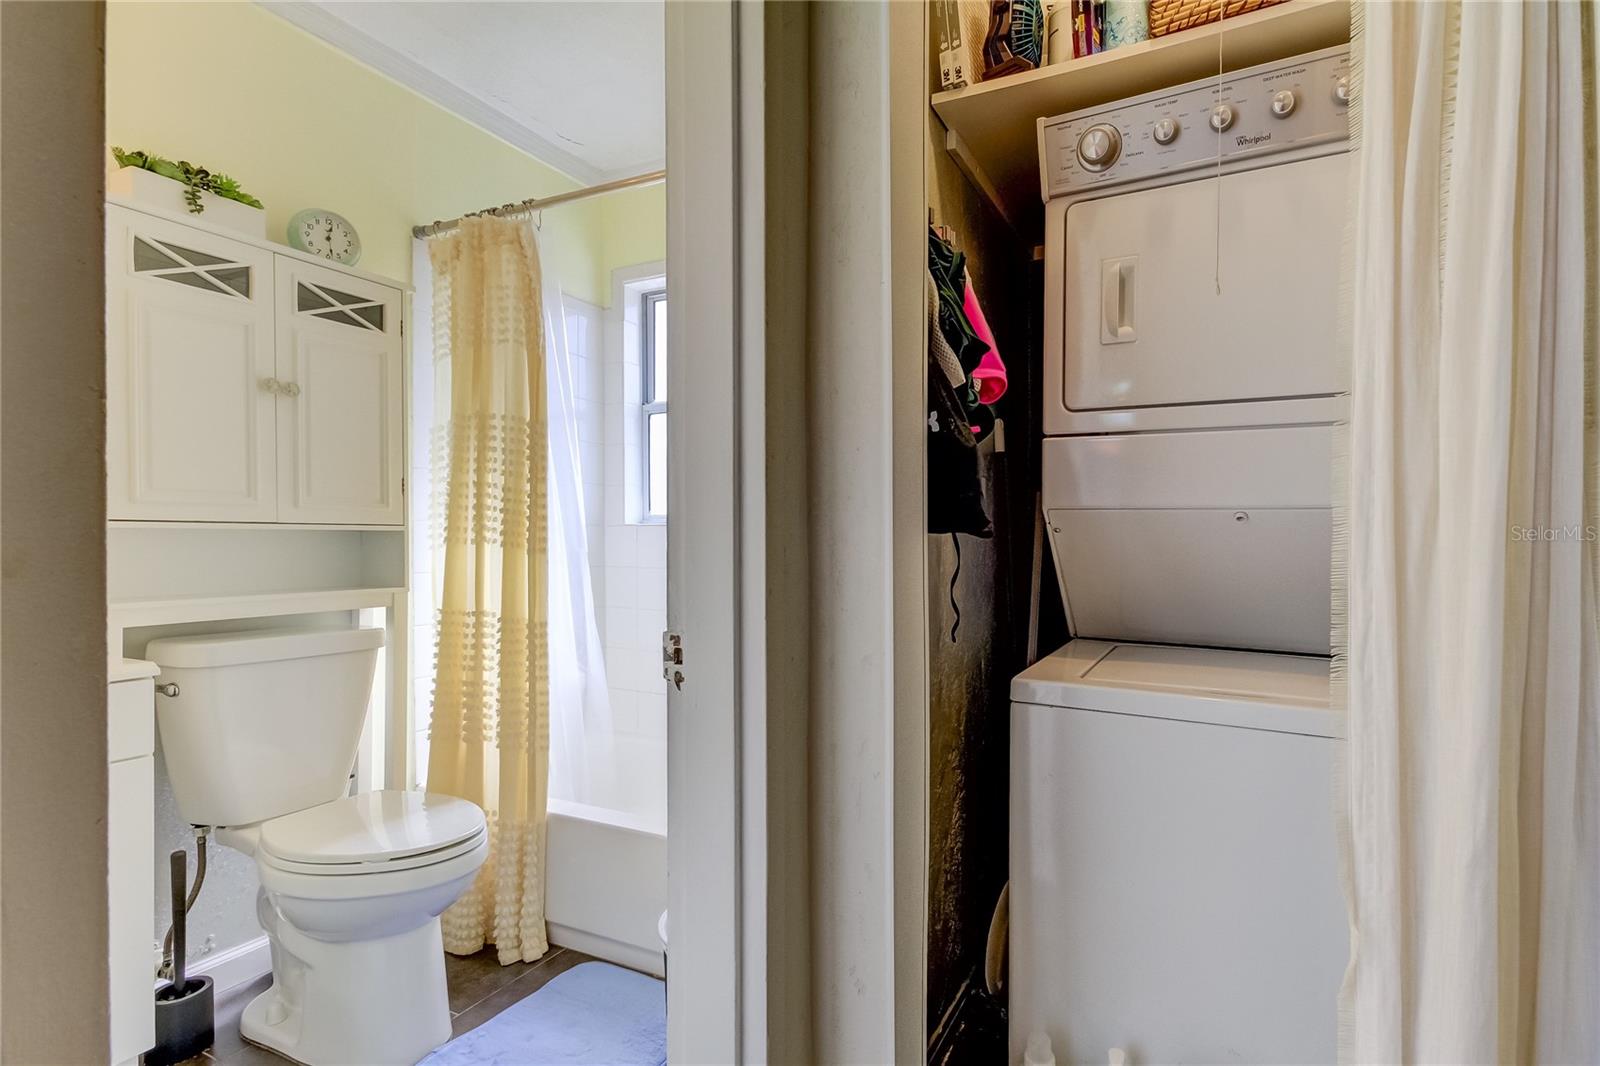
x=1174 y=870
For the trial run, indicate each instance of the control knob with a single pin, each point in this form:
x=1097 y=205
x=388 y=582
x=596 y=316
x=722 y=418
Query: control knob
x=1099 y=146
x=1341 y=89
x=1166 y=130
x=1283 y=103
x=1221 y=117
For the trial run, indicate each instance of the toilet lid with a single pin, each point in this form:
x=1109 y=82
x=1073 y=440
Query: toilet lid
x=372 y=827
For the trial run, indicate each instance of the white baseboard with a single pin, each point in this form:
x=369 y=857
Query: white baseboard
x=243 y=963
x=235 y=966
x=603 y=947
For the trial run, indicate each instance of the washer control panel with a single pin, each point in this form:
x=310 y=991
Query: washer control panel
x=1289 y=104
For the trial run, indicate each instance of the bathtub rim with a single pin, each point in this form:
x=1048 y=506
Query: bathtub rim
x=648 y=824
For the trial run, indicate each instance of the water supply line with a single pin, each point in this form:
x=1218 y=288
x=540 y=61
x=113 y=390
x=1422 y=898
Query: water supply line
x=201 y=832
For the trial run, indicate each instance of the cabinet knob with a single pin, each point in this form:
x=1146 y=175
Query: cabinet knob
x=280 y=388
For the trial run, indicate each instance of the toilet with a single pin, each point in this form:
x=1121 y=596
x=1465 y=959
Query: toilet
x=260 y=735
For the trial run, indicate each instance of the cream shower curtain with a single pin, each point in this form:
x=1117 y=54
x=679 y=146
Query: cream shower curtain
x=1473 y=661
x=490 y=735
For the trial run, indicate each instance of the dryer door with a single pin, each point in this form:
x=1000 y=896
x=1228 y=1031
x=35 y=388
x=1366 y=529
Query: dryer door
x=1144 y=323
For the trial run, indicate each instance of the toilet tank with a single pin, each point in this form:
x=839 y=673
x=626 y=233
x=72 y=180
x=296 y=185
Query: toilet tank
x=264 y=723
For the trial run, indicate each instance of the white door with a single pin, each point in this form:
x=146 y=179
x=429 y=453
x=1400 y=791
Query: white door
x=340 y=423
x=703 y=800
x=189 y=355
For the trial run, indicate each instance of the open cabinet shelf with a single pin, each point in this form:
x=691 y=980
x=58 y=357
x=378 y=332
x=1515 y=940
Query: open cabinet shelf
x=991 y=126
x=131 y=612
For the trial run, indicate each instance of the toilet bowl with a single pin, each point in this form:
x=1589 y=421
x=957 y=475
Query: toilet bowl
x=259 y=737
x=350 y=898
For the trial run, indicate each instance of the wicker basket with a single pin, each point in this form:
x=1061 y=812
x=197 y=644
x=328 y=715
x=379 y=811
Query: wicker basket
x=1170 y=16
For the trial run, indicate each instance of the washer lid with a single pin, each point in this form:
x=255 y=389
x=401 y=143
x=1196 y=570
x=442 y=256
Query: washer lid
x=1247 y=689
x=372 y=827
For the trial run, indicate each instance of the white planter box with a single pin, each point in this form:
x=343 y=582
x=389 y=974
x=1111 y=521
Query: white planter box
x=145 y=188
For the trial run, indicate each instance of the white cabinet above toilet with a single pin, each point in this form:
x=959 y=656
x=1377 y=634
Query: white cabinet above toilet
x=247 y=385
x=340 y=454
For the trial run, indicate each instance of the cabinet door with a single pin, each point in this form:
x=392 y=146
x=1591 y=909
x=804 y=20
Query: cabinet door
x=130 y=884
x=189 y=357
x=340 y=447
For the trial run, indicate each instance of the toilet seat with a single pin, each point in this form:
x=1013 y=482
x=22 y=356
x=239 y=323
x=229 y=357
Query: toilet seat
x=373 y=833
x=381 y=866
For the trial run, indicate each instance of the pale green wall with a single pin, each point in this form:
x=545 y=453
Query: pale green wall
x=633 y=229
x=234 y=87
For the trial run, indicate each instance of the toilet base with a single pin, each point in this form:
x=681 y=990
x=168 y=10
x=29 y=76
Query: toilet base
x=382 y=1002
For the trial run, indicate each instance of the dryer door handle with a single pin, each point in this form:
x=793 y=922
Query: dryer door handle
x=1117 y=278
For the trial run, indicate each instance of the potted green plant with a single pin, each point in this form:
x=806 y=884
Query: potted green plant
x=155 y=181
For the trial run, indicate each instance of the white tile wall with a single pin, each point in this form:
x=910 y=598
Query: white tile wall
x=635 y=554
x=585 y=343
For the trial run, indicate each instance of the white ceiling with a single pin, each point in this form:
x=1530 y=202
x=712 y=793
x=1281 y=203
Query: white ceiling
x=579 y=84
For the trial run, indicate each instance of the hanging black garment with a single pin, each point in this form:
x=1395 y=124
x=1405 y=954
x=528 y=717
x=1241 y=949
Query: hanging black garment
x=955 y=494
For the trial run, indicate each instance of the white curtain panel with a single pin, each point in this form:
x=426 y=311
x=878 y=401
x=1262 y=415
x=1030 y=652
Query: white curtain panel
x=1471 y=663
x=582 y=765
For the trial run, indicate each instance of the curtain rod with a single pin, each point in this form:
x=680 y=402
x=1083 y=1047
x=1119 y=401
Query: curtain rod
x=524 y=207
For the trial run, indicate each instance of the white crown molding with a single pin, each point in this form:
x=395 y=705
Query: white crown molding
x=334 y=31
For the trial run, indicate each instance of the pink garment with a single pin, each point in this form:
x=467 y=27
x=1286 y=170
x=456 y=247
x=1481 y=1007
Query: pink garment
x=990 y=373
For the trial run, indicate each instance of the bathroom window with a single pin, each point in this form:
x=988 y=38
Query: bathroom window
x=653 y=438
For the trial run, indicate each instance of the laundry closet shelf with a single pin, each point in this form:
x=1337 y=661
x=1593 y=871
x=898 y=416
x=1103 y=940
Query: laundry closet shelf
x=991 y=127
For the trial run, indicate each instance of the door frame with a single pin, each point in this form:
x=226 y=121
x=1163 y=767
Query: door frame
x=797 y=747
x=53 y=535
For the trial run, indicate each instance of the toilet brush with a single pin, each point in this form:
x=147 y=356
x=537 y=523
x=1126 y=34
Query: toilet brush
x=184 y=1008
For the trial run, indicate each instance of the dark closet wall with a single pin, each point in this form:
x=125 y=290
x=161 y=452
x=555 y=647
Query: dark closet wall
x=969 y=676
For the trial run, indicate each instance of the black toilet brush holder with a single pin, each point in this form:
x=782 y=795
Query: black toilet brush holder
x=185 y=1008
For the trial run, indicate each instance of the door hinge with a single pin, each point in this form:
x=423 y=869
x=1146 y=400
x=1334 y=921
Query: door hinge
x=672 y=658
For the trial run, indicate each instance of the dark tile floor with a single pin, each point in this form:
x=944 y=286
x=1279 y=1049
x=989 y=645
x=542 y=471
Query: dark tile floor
x=480 y=988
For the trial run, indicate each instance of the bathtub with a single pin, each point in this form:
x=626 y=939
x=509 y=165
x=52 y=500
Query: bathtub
x=606 y=864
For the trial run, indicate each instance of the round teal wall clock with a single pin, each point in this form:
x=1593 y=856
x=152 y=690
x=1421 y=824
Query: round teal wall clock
x=325 y=234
